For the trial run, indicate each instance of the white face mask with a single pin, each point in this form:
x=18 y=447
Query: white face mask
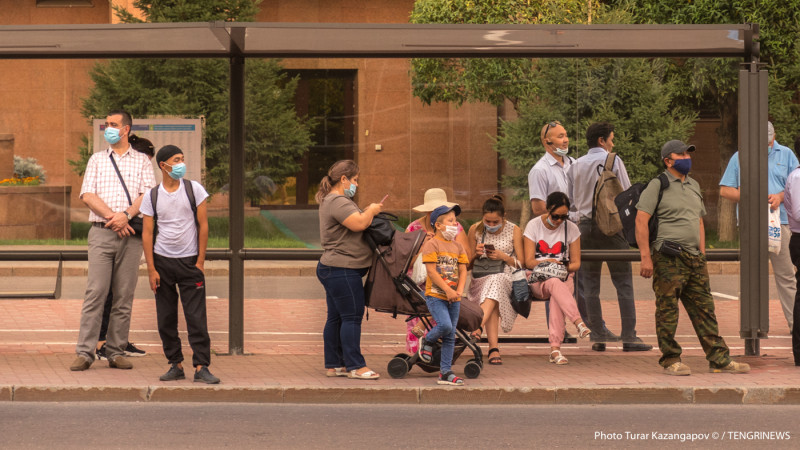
x=561 y=151
x=450 y=232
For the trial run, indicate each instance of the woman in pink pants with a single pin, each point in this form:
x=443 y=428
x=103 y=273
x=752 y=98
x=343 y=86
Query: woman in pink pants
x=551 y=237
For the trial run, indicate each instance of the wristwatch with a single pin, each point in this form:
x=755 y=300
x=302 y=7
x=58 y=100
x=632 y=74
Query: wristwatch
x=127 y=215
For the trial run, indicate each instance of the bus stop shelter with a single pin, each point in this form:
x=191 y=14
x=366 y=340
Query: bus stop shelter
x=239 y=41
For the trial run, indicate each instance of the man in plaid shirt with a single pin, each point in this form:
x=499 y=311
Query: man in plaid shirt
x=114 y=248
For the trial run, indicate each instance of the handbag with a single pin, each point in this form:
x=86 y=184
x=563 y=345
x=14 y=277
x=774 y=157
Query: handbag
x=419 y=273
x=774 y=230
x=381 y=229
x=520 y=293
x=136 y=222
x=483 y=266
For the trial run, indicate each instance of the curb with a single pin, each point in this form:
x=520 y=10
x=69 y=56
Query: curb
x=780 y=395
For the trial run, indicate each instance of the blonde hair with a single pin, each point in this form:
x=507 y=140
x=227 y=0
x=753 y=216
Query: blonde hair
x=346 y=167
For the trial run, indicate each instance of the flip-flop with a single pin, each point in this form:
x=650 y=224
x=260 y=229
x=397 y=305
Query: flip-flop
x=337 y=372
x=368 y=375
x=496 y=361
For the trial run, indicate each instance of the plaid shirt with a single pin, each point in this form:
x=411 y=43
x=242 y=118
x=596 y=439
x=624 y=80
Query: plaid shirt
x=101 y=179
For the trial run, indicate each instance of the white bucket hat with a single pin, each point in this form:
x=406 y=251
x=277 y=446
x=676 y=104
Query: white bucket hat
x=434 y=198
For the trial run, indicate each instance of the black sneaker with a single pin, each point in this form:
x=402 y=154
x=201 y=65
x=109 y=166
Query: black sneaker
x=101 y=352
x=204 y=376
x=132 y=350
x=173 y=374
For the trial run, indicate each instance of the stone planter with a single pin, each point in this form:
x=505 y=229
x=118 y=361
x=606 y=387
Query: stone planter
x=34 y=212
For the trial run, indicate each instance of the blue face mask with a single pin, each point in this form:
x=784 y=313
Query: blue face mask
x=683 y=166
x=178 y=171
x=111 y=135
x=493 y=229
x=350 y=192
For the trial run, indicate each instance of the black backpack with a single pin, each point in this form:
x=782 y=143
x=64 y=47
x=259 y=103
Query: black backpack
x=187 y=186
x=626 y=204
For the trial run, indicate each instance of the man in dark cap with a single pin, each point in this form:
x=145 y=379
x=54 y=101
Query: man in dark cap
x=678 y=263
x=175 y=237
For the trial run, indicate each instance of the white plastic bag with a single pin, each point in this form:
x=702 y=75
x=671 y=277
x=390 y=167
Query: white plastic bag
x=419 y=272
x=774 y=230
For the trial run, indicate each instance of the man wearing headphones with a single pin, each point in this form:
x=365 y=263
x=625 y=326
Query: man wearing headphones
x=549 y=174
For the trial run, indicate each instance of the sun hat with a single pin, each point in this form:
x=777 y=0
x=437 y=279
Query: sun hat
x=434 y=198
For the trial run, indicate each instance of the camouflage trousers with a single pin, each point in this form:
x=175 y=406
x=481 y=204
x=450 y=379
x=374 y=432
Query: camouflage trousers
x=685 y=277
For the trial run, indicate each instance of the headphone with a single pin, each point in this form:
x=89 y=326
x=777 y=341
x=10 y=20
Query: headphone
x=550 y=125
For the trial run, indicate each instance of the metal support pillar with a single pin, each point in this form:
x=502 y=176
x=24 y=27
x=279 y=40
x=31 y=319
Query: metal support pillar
x=754 y=275
x=236 y=228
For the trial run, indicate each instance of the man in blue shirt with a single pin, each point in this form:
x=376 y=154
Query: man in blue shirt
x=780 y=162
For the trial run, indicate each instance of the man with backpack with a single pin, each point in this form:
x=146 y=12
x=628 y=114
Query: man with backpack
x=594 y=181
x=175 y=237
x=677 y=262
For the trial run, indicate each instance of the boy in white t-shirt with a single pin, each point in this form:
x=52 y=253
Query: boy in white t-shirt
x=174 y=238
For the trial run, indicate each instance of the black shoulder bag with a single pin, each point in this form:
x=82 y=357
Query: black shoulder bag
x=483 y=266
x=136 y=222
x=381 y=229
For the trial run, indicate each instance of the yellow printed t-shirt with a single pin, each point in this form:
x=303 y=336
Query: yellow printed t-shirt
x=447 y=255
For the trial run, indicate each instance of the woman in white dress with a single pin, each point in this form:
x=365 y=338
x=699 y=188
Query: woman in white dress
x=495 y=238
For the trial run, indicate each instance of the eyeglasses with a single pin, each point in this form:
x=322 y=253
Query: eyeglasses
x=559 y=217
x=552 y=124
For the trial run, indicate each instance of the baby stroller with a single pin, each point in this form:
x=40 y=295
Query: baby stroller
x=389 y=289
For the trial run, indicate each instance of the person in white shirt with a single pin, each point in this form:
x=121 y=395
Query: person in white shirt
x=113 y=184
x=175 y=238
x=549 y=174
x=582 y=176
x=791 y=200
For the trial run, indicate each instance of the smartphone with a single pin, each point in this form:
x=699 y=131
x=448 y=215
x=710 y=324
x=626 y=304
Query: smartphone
x=488 y=247
x=384 y=198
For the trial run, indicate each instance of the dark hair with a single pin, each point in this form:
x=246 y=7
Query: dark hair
x=126 y=116
x=346 y=167
x=493 y=204
x=596 y=131
x=556 y=200
x=142 y=145
x=796 y=144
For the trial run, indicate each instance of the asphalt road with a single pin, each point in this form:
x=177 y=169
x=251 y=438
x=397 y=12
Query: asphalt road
x=198 y=425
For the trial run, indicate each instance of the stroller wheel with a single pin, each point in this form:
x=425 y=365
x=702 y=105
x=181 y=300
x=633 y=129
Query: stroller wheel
x=397 y=367
x=472 y=369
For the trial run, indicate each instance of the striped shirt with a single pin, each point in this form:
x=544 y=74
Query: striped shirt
x=101 y=179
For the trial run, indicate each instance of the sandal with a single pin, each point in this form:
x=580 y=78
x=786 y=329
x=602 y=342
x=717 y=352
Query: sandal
x=583 y=330
x=425 y=351
x=450 y=379
x=337 y=372
x=558 y=359
x=496 y=361
x=368 y=375
x=477 y=334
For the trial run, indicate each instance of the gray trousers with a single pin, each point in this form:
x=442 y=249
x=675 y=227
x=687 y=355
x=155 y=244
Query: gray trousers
x=113 y=262
x=783 y=270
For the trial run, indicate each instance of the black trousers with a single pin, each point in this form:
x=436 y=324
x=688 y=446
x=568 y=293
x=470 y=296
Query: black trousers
x=182 y=274
x=794 y=251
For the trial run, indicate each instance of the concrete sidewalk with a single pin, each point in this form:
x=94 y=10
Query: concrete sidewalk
x=284 y=362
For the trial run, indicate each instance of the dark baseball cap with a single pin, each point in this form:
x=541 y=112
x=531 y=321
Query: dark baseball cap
x=442 y=210
x=675 y=146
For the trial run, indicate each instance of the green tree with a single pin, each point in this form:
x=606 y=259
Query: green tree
x=276 y=138
x=636 y=95
x=713 y=83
